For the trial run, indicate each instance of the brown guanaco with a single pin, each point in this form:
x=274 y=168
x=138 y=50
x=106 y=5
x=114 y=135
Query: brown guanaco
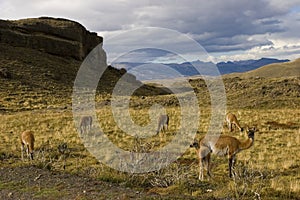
x=231 y=120
x=86 y=124
x=223 y=146
x=163 y=123
x=27 y=144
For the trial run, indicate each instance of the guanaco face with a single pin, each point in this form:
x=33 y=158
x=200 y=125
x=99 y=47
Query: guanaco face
x=62 y=148
x=225 y=146
x=232 y=121
x=163 y=123
x=27 y=144
x=86 y=124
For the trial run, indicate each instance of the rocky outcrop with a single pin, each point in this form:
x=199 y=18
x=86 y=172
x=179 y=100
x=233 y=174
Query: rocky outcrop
x=52 y=35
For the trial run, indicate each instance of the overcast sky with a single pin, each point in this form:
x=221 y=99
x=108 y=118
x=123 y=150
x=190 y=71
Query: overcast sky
x=227 y=29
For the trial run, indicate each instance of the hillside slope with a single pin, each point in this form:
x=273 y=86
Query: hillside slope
x=255 y=93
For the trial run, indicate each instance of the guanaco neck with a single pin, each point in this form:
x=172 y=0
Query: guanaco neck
x=238 y=125
x=246 y=144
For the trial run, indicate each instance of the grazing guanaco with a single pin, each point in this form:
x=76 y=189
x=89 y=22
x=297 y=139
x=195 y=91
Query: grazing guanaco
x=163 y=123
x=231 y=120
x=27 y=141
x=86 y=124
x=224 y=146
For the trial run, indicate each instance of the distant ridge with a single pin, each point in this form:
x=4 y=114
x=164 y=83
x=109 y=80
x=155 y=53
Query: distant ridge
x=245 y=65
x=193 y=68
x=275 y=70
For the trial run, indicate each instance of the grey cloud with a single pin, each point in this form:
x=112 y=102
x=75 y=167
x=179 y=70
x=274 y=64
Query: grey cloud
x=220 y=20
x=218 y=25
x=144 y=55
x=241 y=42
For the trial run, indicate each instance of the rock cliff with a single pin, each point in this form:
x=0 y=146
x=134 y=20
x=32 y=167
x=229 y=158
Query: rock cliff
x=51 y=35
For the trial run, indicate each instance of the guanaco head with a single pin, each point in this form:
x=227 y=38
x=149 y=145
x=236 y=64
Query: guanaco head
x=62 y=148
x=195 y=145
x=251 y=132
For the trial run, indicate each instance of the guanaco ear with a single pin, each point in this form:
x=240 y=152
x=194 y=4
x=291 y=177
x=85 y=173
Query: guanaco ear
x=247 y=128
x=254 y=128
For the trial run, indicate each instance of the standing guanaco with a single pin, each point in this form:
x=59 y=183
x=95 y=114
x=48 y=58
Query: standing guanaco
x=64 y=151
x=163 y=123
x=224 y=146
x=86 y=124
x=232 y=120
x=27 y=141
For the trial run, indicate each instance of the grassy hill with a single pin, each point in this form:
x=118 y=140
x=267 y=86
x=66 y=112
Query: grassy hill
x=32 y=79
x=35 y=79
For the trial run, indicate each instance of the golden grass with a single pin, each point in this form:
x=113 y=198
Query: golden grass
x=270 y=167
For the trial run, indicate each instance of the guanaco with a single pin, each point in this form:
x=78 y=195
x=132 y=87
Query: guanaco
x=64 y=151
x=27 y=141
x=86 y=124
x=224 y=146
x=231 y=120
x=163 y=123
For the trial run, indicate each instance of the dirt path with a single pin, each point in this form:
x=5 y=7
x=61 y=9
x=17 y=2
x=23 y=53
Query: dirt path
x=29 y=182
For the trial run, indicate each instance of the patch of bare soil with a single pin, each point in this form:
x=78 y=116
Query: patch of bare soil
x=30 y=182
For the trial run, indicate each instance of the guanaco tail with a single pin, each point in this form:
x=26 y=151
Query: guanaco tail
x=27 y=144
x=163 y=123
x=231 y=120
x=86 y=124
x=225 y=146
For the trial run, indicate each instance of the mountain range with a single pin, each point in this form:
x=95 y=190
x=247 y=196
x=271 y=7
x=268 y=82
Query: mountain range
x=274 y=70
x=148 y=71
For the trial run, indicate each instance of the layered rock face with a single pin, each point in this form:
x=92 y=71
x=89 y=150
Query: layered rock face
x=52 y=35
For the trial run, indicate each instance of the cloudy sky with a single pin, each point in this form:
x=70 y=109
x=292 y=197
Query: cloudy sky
x=226 y=29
